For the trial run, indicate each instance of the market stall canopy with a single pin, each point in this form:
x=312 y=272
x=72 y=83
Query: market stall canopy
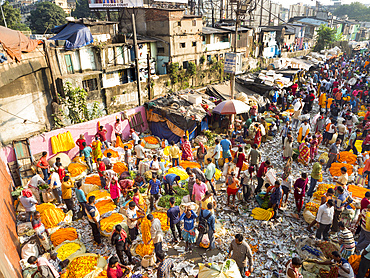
x=15 y=42
x=231 y=106
x=76 y=35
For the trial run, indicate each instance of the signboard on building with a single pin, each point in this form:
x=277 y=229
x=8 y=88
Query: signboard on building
x=173 y=1
x=115 y=3
x=233 y=63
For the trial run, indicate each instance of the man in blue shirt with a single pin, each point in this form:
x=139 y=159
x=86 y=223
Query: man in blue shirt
x=81 y=198
x=168 y=181
x=211 y=226
x=173 y=217
x=226 y=146
x=154 y=189
x=275 y=198
x=86 y=152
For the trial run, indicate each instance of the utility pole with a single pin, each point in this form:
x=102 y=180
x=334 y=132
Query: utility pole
x=270 y=13
x=222 y=10
x=136 y=59
x=261 y=13
x=148 y=57
x=1 y=6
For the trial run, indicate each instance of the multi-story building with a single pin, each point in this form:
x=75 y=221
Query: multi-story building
x=301 y=9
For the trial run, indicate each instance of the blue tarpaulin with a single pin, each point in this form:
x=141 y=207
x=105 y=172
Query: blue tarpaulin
x=76 y=35
x=161 y=130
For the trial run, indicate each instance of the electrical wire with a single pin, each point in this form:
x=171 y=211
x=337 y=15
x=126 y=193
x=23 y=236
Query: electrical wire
x=25 y=120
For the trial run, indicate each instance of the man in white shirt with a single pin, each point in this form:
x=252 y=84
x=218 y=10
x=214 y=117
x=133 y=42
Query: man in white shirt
x=156 y=233
x=132 y=218
x=33 y=184
x=107 y=160
x=134 y=136
x=56 y=184
x=217 y=152
x=140 y=153
x=154 y=165
x=324 y=217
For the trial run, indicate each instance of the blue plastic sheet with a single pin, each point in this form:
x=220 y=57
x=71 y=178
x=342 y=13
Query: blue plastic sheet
x=161 y=130
x=76 y=35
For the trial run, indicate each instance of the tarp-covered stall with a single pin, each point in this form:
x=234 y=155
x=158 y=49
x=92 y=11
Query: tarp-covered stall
x=76 y=35
x=170 y=116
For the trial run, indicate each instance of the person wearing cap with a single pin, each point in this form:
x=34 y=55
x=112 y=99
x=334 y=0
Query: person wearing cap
x=29 y=203
x=316 y=174
x=352 y=141
x=134 y=136
x=342 y=180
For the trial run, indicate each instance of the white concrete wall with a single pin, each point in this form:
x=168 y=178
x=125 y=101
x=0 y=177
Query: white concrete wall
x=111 y=79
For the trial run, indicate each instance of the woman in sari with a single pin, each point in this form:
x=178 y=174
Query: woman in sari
x=96 y=147
x=319 y=138
x=287 y=168
x=187 y=152
x=313 y=147
x=258 y=135
x=304 y=153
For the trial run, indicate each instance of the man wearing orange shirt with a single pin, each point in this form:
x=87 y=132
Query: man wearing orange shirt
x=44 y=165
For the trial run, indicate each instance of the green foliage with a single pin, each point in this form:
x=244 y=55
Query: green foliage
x=12 y=18
x=45 y=17
x=95 y=112
x=354 y=10
x=325 y=37
x=192 y=69
x=173 y=70
x=165 y=200
x=202 y=59
x=211 y=137
x=82 y=10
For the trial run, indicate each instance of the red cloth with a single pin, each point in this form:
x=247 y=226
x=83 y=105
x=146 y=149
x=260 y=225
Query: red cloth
x=294 y=87
x=367 y=140
x=335 y=84
x=258 y=137
x=298 y=201
x=61 y=173
x=364 y=203
x=101 y=168
x=115 y=272
x=79 y=143
x=231 y=191
x=43 y=163
x=262 y=170
x=27 y=193
x=102 y=135
x=241 y=159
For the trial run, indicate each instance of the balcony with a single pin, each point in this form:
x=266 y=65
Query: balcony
x=216 y=46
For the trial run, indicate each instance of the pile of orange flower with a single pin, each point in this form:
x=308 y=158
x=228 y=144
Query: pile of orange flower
x=348 y=157
x=119 y=167
x=93 y=180
x=335 y=169
x=357 y=191
x=151 y=140
x=107 y=224
x=81 y=266
x=98 y=194
x=44 y=206
x=76 y=169
x=114 y=153
x=185 y=164
x=162 y=216
x=51 y=217
x=144 y=249
x=312 y=207
x=105 y=206
x=62 y=235
x=102 y=274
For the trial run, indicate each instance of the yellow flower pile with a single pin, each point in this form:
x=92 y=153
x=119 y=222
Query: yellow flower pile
x=151 y=140
x=162 y=216
x=98 y=194
x=102 y=274
x=63 y=234
x=105 y=206
x=119 y=167
x=41 y=208
x=51 y=217
x=114 y=153
x=349 y=157
x=67 y=250
x=93 y=180
x=318 y=194
x=76 y=169
x=182 y=173
x=335 y=169
x=107 y=224
x=324 y=187
x=312 y=207
x=144 y=248
x=262 y=214
x=81 y=266
x=357 y=191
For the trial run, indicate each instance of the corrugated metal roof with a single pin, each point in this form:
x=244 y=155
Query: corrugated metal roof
x=211 y=30
x=312 y=21
x=232 y=28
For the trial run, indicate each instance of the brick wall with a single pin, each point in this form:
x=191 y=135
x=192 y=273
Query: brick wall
x=9 y=256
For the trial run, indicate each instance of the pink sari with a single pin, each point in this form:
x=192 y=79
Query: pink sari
x=304 y=154
x=319 y=139
x=313 y=148
x=187 y=152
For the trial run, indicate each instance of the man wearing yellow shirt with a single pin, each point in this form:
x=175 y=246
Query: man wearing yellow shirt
x=342 y=179
x=174 y=154
x=67 y=186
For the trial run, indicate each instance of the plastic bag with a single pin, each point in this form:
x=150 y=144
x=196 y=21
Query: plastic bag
x=48 y=197
x=229 y=269
x=29 y=249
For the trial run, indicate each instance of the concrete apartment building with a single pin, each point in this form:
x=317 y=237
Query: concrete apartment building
x=301 y=9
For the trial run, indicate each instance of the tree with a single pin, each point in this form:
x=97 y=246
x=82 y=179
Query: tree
x=354 y=10
x=45 y=17
x=325 y=36
x=82 y=10
x=13 y=18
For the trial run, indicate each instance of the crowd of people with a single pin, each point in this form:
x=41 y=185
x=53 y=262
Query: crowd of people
x=340 y=86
